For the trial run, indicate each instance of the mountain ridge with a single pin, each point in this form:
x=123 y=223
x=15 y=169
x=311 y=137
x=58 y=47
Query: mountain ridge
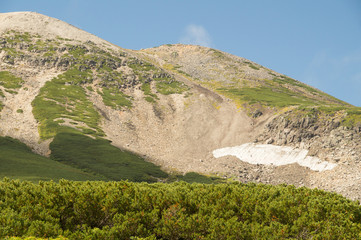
x=173 y=105
x=46 y=26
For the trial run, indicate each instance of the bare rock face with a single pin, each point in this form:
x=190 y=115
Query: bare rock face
x=323 y=135
x=176 y=104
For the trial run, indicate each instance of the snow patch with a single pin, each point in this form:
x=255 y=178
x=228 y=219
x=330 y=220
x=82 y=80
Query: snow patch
x=276 y=155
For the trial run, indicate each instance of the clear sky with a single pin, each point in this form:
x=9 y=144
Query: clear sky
x=315 y=41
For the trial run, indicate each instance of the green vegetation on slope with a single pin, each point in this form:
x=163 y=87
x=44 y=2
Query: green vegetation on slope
x=170 y=87
x=35 y=238
x=353 y=117
x=18 y=161
x=19 y=37
x=283 y=97
x=9 y=81
x=250 y=85
x=267 y=96
x=251 y=65
x=1 y=96
x=150 y=97
x=63 y=98
x=193 y=177
x=115 y=99
x=89 y=62
x=122 y=210
x=98 y=156
x=280 y=92
x=80 y=158
x=165 y=83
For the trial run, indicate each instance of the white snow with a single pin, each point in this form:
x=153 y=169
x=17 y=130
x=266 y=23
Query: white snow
x=276 y=155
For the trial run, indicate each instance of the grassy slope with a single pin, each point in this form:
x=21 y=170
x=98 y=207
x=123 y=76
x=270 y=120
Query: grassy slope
x=193 y=177
x=18 y=161
x=84 y=159
x=63 y=98
x=100 y=157
x=10 y=83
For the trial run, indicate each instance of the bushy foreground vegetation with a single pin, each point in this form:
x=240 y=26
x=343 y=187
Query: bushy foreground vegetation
x=125 y=210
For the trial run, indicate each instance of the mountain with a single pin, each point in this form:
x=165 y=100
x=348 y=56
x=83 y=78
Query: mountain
x=117 y=114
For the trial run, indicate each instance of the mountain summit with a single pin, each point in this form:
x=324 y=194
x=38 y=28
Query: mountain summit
x=111 y=113
x=47 y=27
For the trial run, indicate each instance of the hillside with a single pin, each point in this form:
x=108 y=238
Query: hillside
x=124 y=114
x=19 y=162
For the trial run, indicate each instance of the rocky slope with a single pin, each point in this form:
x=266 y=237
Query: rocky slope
x=174 y=104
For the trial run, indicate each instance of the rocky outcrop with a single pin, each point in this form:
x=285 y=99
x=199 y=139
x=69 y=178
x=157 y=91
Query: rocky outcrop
x=322 y=135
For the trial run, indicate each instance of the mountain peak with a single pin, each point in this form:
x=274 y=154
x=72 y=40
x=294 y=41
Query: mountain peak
x=45 y=26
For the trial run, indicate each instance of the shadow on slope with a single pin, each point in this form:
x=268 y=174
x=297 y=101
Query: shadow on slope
x=18 y=161
x=98 y=156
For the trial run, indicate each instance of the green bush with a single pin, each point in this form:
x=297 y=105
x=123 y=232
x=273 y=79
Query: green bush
x=124 y=210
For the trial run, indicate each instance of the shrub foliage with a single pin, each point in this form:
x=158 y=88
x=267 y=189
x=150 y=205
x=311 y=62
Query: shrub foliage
x=125 y=210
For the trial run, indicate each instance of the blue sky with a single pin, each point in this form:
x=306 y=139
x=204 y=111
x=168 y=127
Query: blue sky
x=315 y=41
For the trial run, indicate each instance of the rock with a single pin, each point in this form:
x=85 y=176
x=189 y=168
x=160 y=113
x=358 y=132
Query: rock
x=270 y=141
x=257 y=113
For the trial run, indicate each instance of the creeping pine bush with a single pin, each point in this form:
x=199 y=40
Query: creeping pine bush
x=125 y=210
